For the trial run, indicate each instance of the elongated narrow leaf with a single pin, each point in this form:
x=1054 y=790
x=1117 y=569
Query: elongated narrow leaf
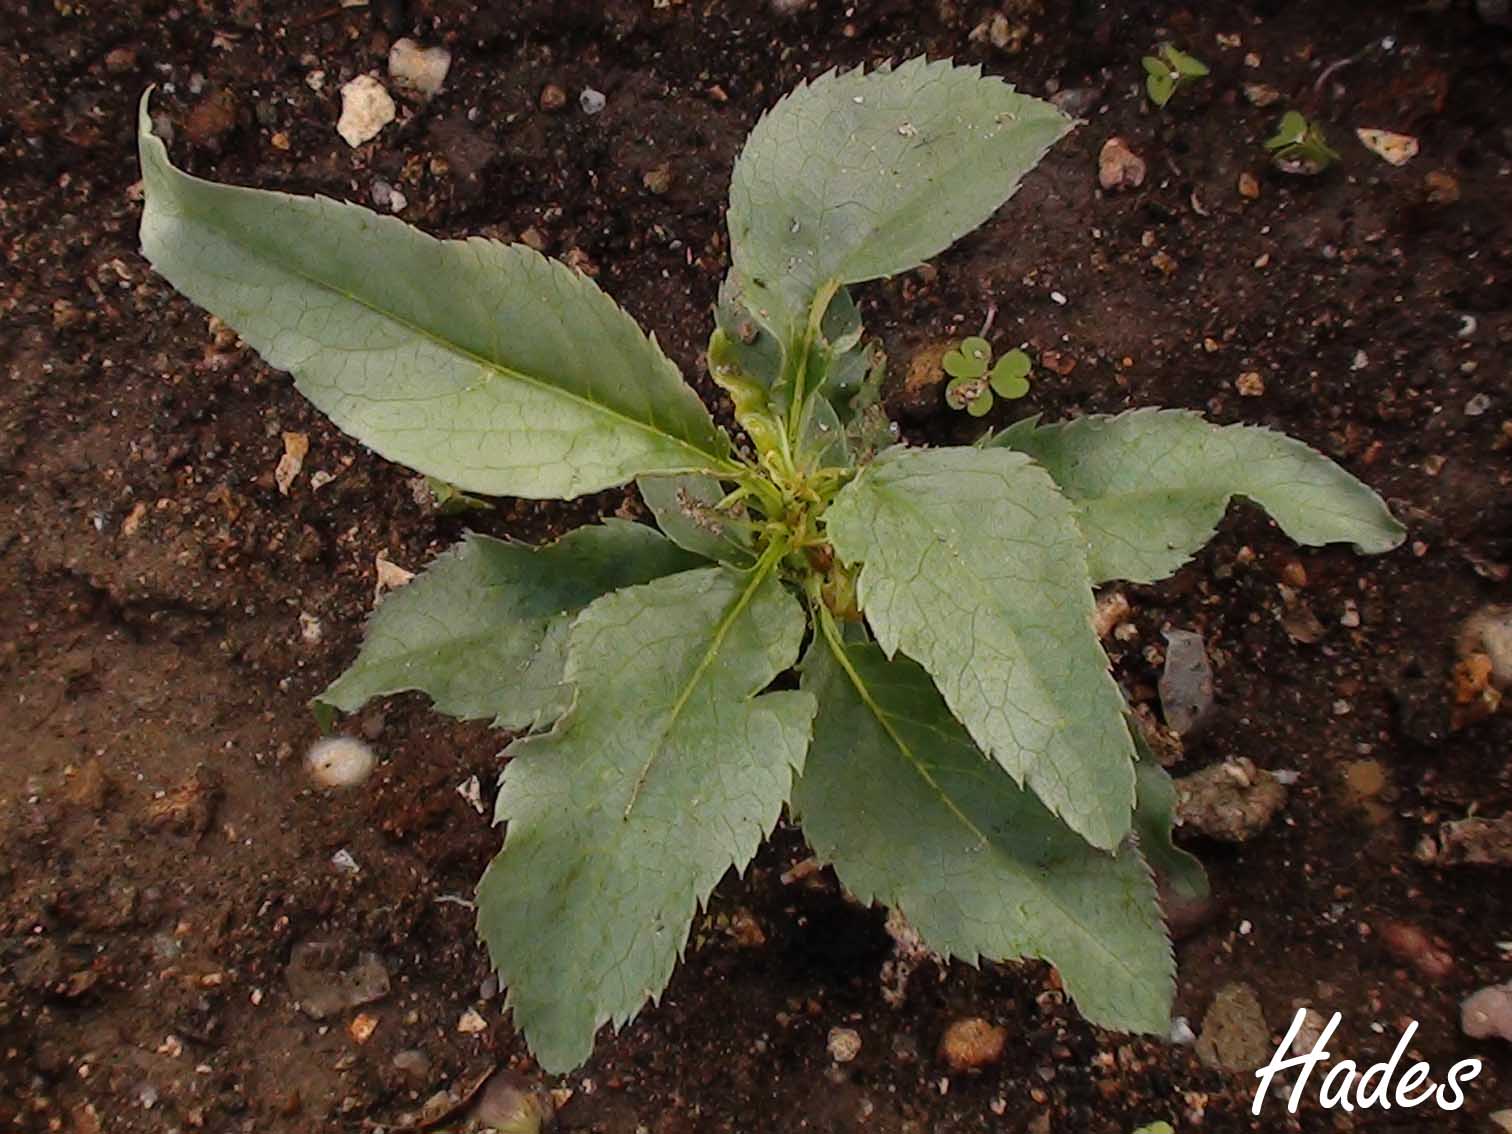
x=856 y=176
x=973 y=565
x=1151 y=485
x=667 y=771
x=483 y=364
x=483 y=630
x=684 y=509
x=912 y=815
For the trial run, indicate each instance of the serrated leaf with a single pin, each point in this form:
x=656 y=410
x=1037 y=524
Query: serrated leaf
x=667 y=771
x=1154 y=817
x=912 y=815
x=1151 y=485
x=482 y=630
x=856 y=176
x=482 y=364
x=684 y=510
x=750 y=345
x=973 y=565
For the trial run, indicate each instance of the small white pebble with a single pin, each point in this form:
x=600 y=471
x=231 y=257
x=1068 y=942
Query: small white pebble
x=471 y=1023
x=592 y=101
x=844 y=1044
x=339 y=762
x=366 y=108
x=1246 y=927
x=1286 y=776
x=472 y=791
x=1058 y=297
x=343 y=861
x=1181 y=1031
x=1477 y=405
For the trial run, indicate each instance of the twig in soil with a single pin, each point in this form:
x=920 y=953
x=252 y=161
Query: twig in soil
x=317 y=17
x=456 y=900
x=1385 y=43
x=987 y=322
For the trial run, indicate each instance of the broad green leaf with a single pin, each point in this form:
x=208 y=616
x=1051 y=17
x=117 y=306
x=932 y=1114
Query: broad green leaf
x=684 y=509
x=1151 y=485
x=912 y=815
x=856 y=176
x=972 y=564
x=482 y=630
x=667 y=771
x=482 y=364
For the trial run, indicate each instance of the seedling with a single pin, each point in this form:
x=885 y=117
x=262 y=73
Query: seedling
x=972 y=384
x=1168 y=70
x=953 y=743
x=1299 y=145
x=449 y=502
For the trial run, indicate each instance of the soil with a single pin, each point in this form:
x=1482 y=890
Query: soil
x=169 y=611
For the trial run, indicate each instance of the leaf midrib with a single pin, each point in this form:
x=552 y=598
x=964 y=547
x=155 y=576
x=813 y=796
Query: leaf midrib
x=758 y=576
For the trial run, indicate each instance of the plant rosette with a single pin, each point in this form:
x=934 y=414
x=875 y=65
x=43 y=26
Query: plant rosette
x=952 y=743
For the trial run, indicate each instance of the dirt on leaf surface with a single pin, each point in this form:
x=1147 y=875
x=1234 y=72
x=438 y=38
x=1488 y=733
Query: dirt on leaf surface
x=169 y=610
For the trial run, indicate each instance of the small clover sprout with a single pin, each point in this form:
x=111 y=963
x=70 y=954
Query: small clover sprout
x=1010 y=377
x=972 y=385
x=1299 y=145
x=1167 y=71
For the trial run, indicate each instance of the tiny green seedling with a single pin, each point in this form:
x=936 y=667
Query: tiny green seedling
x=1168 y=70
x=953 y=743
x=1299 y=145
x=448 y=501
x=972 y=384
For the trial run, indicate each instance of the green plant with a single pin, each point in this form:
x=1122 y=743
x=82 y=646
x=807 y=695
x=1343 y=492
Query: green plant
x=1299 y=145
x=972 y=384
x=954 y=744
x=1168 y=70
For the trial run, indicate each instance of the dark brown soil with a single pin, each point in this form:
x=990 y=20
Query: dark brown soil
x=162 y=850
